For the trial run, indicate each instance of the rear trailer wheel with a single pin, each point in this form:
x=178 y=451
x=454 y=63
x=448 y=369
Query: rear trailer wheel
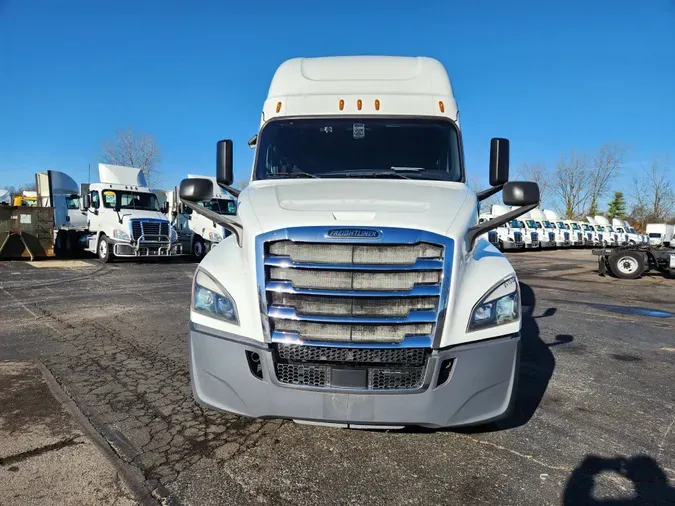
x=627 y=264
x=198 y=249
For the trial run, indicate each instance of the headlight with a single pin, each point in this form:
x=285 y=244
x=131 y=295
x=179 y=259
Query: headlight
x=211 y=299
x=121 y=234
x=174 y=235
x=499 y=306
x=214 y=237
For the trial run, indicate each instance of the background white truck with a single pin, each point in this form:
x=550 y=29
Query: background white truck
x=611 y=235
x=357 y=287
x=124 y=217
x=661 y=234
x=509 y=234
x=562 y=229
x=60 y=191
x=196 y=233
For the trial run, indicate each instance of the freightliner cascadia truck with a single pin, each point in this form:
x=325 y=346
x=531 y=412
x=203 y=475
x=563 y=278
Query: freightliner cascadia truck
x=357 y=287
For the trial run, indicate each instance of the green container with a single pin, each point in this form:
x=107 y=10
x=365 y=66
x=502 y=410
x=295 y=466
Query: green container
x=26 y=232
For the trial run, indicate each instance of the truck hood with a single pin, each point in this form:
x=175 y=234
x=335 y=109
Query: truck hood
x=131 y=214
x=436 y=206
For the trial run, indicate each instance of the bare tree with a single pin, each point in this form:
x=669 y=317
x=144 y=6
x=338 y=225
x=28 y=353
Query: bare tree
x=134 y=150
x=604 y=167
x=653 y=193
x=571 y=184
x=539 y=173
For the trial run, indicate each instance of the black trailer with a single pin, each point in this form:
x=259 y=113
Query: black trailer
x=632 y=261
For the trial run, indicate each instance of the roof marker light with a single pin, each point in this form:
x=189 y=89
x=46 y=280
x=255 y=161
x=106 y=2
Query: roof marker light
x=278 y=106
x=359 y=104
x=342 y=104
x=377 y=104
x=441 y=106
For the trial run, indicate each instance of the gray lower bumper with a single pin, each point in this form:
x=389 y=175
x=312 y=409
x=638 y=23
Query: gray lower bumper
x=480 y=387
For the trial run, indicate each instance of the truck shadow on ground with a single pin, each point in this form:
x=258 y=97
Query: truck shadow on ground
x=536 y=367
x=649 y=482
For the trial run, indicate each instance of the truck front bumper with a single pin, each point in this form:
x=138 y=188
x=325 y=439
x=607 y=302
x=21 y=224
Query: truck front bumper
x=480 y=386
x=149 y=249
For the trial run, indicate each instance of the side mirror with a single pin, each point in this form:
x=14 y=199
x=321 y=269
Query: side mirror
x=87 y=201
x=499 y=161
x=520 y=193
x=224 y=170
x=196 y=189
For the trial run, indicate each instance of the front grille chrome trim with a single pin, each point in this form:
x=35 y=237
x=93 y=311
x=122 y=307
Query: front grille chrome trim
x=416 y=291
x=419 y=265
x=289 y=313
x=279 y=337
x=401 y=287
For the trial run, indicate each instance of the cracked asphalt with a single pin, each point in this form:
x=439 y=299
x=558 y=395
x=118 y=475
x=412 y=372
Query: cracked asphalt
x=594 y=421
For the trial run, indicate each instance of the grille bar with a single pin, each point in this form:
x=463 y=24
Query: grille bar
x=401 y=356
x=289 y=313
x=407 y=342
x=419 y=265
x=415 y=291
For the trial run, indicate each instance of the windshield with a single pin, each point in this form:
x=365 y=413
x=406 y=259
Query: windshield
x=620 y=230
x=654 y=234
x=548 y=224
x=609 y=228
x=575 y=226
x=221 y=206
x=412 y=148
x=586 y=227
x=600 y=228
x=130 y=200
x=561 y=225
x=514 y=224
x=532 y=224
x=73 y=202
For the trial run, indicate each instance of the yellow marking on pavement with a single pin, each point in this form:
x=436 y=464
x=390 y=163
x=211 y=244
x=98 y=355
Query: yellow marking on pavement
x=60 y=264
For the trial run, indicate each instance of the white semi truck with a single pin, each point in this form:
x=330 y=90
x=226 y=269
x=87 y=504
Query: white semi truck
x=562 y=229
x=548 y=233
x=58 y=190
x=661 y=234
x=124 y=217
x=357 y=287
x=196 y=233
x=613 y=237
x=509 y=234
x=529 y=231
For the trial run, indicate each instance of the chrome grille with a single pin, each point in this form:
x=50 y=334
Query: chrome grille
x=517 y=237
x=150 y=231
x=533 y=236
x=551 y=236
x=567 y=236
x=368 y=306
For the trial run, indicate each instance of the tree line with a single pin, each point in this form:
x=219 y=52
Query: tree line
x=577 y=185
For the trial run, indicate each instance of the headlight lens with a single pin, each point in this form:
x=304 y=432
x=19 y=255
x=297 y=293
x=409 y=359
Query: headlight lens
x=499 y=306
x=215 y=237
x=209 y=298
x=121 y=234
x=174 y=235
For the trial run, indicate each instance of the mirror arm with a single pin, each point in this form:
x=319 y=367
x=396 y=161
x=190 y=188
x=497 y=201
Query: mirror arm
x=473 y=233
x=232 y=191
x=223 y=220
x=482 y=195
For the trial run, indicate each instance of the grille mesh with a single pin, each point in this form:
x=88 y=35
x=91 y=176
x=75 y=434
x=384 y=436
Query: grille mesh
x=299 y=353
x=395 y=378
x=151 y=230
x=401 y=254
x=350 y=280
x=312 y=331
x=354 y=306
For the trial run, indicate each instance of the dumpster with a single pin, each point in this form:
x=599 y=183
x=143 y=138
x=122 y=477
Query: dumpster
x=26 y=232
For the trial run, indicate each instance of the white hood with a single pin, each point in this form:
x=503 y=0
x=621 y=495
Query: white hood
x=134 y=214
x=439 y=207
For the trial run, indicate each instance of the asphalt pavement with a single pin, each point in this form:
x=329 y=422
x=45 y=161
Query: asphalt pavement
x=594 y=421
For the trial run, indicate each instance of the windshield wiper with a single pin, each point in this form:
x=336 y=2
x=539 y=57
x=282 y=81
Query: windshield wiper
x=365 y=173
x=290 y=174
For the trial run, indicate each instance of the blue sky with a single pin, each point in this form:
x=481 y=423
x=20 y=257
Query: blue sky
x=551 y=76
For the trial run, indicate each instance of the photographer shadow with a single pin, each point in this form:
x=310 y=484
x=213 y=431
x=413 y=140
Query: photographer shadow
x=649 y=480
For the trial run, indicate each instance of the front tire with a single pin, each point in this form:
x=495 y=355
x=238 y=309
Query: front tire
x=103 y=250
x=198 y=249
x=627 y=265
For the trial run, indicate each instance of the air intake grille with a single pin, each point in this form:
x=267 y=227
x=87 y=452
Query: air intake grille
x=379 y=293
x=534 y=237
x=518 y=237
x=150 y=231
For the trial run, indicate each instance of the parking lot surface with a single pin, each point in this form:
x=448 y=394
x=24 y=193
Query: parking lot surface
x=594 y=421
